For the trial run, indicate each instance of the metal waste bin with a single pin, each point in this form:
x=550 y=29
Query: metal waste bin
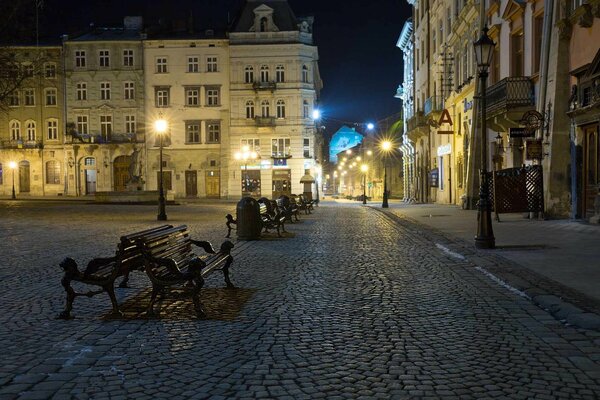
x=248 y=219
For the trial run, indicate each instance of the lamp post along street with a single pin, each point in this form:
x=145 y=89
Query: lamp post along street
x=386 y=146
x=364 y=168
x=484 y=48
x=13 y=166
x=160 y=126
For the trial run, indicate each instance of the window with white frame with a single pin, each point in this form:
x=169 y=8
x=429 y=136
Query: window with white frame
x=161 y=96
x=249 y=74
x=80 y=59
x=52 y=129
x=161 y=65
x=264 y=107
x=104 y=58
x=50 y=96
x=30 y=130
x=52 y=172
x=82 y=124
x=465 y=62
x=253 y=145
x=81 y=89
x=280 y=73
x=212 y=96
x=280 y=147
x=129 y=90
x=192 y=96
x=15 y=130
x=104 y=90
x=305 y=73
x=305 y=109
x=29 y=95
x=28 y=70
x=106 y=127
x=130 y=125
x=50 y=70
x=280 y=108
x=192 y=132
x=264 y=73
x=306 y=147
x=14 y=99
x=211 y=64
x=193 y=64
x=128 y=58
x=213 y=131
x=249 y=109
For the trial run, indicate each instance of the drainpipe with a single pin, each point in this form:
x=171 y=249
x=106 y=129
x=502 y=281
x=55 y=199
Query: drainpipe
x=549 y=6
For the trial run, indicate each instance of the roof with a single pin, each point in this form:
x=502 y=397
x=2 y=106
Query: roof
x=108 y=34
x=283 y=16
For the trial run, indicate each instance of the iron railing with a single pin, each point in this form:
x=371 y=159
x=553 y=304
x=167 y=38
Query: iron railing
x=265 y=121
x=432 y=104
x=416 y=121
x=511 y=92
x=264 y=85
x=21 y=144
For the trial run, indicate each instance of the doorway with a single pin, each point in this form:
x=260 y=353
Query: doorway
x=121 y=172
x=24 y=180
x=282 y=182
x=213 y=184
x=591 y=169
x=191 y=184
x=89 y=165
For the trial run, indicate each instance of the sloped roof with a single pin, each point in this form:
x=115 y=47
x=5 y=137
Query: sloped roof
x=283 y=16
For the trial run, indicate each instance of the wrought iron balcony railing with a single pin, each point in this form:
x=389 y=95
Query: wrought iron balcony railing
x=264 y=85
x=265 y=121
x=433 y=104
x=21 y=144
x=416 y=121
x=511 y=92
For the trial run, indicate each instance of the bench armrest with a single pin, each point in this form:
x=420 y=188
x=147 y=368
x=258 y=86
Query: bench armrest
x=95 y=264
x=204 y=244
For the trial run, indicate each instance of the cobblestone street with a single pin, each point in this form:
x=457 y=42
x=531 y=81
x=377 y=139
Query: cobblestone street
x=352 y=304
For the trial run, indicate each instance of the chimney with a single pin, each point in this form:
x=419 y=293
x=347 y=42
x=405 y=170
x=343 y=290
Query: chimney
x=133 y=22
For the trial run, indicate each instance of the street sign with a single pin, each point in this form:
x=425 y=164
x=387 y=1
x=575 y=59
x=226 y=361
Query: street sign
x=520 y=132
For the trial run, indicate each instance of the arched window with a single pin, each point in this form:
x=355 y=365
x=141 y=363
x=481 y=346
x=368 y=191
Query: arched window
x=305 y=74
x=15 y=130
x=305 y=109
x=264 y=24
x=264 y=106
x=30 y=126
x=249 y=74
x=53 y=172
x=264 y=73
x=280 y=73
x=249 y=109
x=280 y=109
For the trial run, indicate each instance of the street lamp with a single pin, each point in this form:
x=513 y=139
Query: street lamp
x=244 y=156
x=484 y=49
x=386 y=146
x=160 y=127
x=364 y=168
x=13 y=165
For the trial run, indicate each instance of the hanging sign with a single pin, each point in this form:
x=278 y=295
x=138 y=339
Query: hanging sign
x=445 y=119
x=434 y=177
x=533 y=150
x=520 y=132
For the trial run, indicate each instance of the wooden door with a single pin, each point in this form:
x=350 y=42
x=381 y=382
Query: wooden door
x=591 y=170
x=282 y=182
x=121 y=173
x=191 y=184
x=213 y=184
x=24 y=177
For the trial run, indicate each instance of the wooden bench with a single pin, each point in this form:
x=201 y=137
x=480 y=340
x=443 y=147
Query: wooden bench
x=289 y=207
x=173 y=267
x=309 y=204
x=270 y=217
x=103 y=272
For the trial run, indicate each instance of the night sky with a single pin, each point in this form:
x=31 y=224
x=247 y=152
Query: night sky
x=360 y=65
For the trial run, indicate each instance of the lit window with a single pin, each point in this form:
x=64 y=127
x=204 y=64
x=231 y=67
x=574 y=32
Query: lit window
x=280 y=147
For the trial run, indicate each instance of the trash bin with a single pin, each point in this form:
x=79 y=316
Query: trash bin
x=248 y=219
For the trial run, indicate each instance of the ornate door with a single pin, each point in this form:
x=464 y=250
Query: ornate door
x=121 y=172
x=191 y=183
x=591 y=170
x=213 y=184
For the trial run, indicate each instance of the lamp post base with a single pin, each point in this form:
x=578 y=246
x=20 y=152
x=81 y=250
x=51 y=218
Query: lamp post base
x=162 y=214
x=485 y=233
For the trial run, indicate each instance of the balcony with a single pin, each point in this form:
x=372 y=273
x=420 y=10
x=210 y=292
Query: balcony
x=21 y=144
x=100 y=139
x=509 y=94
x=433 y=104
x=264 y=85
x=417 y=125
x=265 y=121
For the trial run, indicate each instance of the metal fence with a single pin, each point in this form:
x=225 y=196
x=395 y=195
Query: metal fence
x=516 y=190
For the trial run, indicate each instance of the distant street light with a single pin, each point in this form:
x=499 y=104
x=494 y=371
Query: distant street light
x=244 y=156
x=160 y=127
x=13 y=165
x=386 y=146
x=370 y=126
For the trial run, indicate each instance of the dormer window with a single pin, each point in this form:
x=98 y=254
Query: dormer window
x=263 y=20
x=264 y=23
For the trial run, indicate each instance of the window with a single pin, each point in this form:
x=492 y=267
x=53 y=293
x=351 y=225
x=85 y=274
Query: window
x=193 y=64
x=89 y=161
x=50 y=71
x=161 y=97
x=264 y=24
x=538 y=26
x=15 y=130
x=52 y=129
x=105 y=91
x=305 y=74
x=264 y=107
x=28 y=70
x=192 y=131
x=465 y=62
x=280 y=73
x=14 y=100
x=211 y=64
x=516 y=41
x=305 y=109
x=161 y=65
x=192 y=96
x=53 y=172
x=212 y=96
x=128 y=91
x=253 y=145
x=213 y=131
x=80 y=59
x=29 y=97
x=50 y=96
x=81 y=91
x=249 y=74
x=106 y=127
x=264 y=73
x=130 y=124
x=433 y=39
x=306 y=147
x=31 y=132
x=280 y=109
x=128 y=58
x=104 y=58
x=249 y=109
x=82 y=124
x=280 y=147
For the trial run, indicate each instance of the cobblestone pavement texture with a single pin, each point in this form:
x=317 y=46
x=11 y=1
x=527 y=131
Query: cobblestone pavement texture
x=354 y=305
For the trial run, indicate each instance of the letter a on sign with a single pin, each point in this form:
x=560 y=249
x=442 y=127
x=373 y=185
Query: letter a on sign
x=445 y=118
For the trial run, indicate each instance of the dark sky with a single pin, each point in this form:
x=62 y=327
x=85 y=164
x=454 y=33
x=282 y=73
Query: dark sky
x=360 y=64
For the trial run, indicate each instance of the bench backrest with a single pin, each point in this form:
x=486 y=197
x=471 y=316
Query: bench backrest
x=129 y=253
x=173 y=243
x=263 y=209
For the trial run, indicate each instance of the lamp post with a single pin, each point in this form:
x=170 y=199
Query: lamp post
x=13 y=165
x=160 y=127
x=386 y=146
x=244 y=156
x=364 y=168
x=484 y=49
x=335 y=174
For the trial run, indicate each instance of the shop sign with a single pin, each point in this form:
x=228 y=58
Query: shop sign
x=444 y=149
x=520 y=132
x=445 y=119
x=434 y=177
x=533 y=150
x=279 y=162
